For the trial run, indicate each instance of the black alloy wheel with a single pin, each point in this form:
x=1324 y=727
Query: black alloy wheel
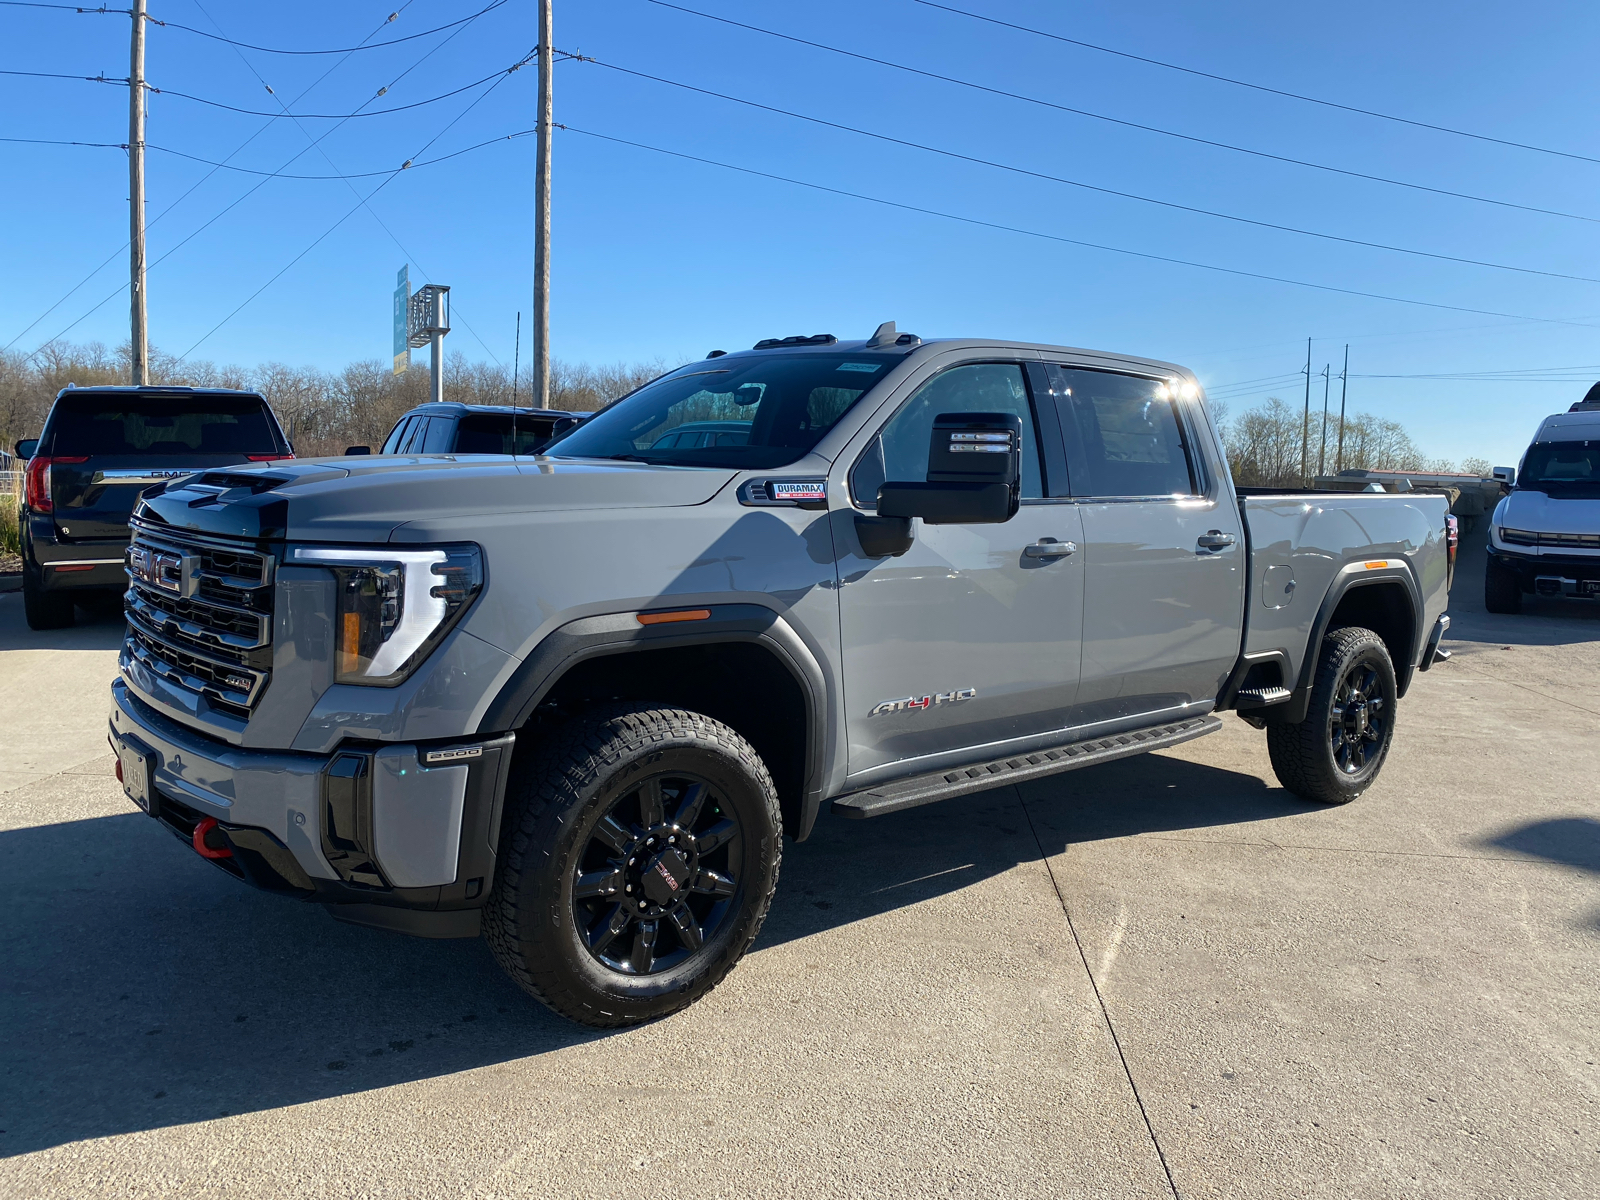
x=1336 y=752
x=639 y=855
x=1358 y=720
x=658 y=877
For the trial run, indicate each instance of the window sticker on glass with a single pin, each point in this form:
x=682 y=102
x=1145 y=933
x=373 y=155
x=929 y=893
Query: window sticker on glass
x=868 y=367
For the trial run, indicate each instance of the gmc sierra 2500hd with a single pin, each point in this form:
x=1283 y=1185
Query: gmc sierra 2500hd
x=573 y=702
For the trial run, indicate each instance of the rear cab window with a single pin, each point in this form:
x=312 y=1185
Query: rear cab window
x=132 y=426
x=1124 y=434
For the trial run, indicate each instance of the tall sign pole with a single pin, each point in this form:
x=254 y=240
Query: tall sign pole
x=541 y=218
x=1344 y=391
x=139 y=340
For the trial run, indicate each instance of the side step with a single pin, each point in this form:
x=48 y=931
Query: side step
x=942 y=785
x=1260 y=697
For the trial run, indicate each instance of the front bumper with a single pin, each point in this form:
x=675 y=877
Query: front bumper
x=373 y=828
x=1552 y=574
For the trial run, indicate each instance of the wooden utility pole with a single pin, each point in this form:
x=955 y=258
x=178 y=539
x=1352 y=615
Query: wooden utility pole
x=1305 y=422
x=1344 y=390
x=1322 y=451
x=541 y=217
x=139 y=340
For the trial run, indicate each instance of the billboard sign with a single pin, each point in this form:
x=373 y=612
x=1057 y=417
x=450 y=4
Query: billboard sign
x=402 y=300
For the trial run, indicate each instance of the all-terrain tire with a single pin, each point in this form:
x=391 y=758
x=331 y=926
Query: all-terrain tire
x=599 y=767
x=1308 y=756
x=44 y=610
x=1502 y=593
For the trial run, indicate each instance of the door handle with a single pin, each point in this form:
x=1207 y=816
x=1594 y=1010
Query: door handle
x=1049 y=548
x=1215 y=540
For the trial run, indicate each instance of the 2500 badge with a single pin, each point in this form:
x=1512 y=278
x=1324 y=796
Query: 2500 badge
x=922 y=702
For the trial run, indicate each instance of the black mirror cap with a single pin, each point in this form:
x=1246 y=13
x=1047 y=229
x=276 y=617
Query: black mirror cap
x=949 y=503
x=357 y=450
x=975 y=448
x=27 y=447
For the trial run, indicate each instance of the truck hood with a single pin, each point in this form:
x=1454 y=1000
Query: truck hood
x=1540 y=513
x=367 y=500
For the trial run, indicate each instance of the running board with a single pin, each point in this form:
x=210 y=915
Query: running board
x=942 y=785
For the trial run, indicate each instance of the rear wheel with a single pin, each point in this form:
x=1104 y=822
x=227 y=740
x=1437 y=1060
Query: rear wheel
x=1335 y=754
x=1502 y=592
x=640 y=858
x=44 y=610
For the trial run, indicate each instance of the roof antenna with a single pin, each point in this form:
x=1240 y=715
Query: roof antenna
x=883 y=337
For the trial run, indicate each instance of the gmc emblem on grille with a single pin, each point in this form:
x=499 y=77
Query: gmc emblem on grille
x=166 y=570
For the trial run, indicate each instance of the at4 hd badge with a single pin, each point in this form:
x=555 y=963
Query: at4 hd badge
x=922 y=703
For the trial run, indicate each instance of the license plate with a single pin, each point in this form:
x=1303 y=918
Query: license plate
x=1589 y=587
x=136 y=768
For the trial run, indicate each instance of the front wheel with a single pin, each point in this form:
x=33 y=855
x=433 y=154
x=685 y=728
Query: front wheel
x=1502 y=590
x=640 y=858
x=1335 y=754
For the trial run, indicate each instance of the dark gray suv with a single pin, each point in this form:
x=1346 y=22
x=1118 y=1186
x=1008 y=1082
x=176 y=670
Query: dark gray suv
x=452 y=428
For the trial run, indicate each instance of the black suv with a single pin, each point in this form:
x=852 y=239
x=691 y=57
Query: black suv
x=100 y=448
x=452 y=428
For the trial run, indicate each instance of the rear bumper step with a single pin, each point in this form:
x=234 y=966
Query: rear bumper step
x=942 y=785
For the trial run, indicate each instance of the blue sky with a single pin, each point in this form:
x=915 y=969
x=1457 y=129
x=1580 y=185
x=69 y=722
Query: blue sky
x=662 y=257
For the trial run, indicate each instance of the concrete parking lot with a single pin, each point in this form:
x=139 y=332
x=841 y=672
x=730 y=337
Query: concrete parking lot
x=1158 y=977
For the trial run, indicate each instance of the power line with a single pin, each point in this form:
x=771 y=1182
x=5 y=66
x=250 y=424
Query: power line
x=325 y=234
x=379 y=112
x=74 y=289
x=64 y=7
x=345 y=50
x=241 y=199
x=1097 y=116
x=382 y=224
x=1105 y=191
x=54 y=75
x=1350 y=108
x=1182 y=262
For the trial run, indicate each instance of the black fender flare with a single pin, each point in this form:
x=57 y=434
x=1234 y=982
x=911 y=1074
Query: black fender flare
x=1347 y=579
x=621 y=633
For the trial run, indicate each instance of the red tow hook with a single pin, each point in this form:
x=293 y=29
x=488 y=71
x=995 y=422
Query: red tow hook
x=204 y=848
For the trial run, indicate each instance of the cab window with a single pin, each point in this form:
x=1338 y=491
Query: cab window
x=900 y=451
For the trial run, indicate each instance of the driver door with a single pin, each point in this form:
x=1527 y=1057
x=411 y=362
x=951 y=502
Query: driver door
x=971 y=637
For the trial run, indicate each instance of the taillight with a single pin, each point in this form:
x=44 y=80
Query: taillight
x=1452 y=539
x=36 y=481
x=267 y=457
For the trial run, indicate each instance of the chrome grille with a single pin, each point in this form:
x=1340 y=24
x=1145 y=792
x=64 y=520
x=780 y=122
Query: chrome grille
x=200 y=615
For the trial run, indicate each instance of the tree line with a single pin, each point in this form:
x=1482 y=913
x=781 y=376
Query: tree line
x=325 y=411
x=321 y=411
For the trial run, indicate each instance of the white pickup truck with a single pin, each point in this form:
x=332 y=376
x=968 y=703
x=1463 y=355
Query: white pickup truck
x=1545 y=536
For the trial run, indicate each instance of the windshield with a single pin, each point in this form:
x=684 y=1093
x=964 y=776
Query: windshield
x=763 y=411
x=130 y=425
x=1564 y=467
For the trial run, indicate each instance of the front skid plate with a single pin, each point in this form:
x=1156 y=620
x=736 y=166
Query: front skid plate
x=941 y=785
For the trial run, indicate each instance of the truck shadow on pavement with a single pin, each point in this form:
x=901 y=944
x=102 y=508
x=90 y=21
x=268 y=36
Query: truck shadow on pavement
x=144 y=989
x=99 y=628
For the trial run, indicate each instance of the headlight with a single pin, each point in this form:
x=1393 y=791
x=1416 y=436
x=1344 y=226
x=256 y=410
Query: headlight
x=394 y=606
x=1518 y=537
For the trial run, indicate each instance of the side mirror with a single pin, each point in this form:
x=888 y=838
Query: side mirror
x=27 y=447
x=974 y=473
x=1505 y=475
x=357 y=450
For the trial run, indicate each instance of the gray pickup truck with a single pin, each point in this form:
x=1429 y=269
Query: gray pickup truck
x=573 y=702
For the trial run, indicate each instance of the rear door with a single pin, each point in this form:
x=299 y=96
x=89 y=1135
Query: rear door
x=1164 y=554
x=971 y=637
x=106 y=448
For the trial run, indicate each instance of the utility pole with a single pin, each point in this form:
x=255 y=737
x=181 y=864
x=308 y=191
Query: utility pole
x=1305 y=421
x=139 y=339
x=1322 y=452
x=1344 y=390
x=541 y=217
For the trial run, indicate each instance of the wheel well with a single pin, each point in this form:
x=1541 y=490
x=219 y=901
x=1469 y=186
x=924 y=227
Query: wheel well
x=742 y=684
x=1385 y=609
